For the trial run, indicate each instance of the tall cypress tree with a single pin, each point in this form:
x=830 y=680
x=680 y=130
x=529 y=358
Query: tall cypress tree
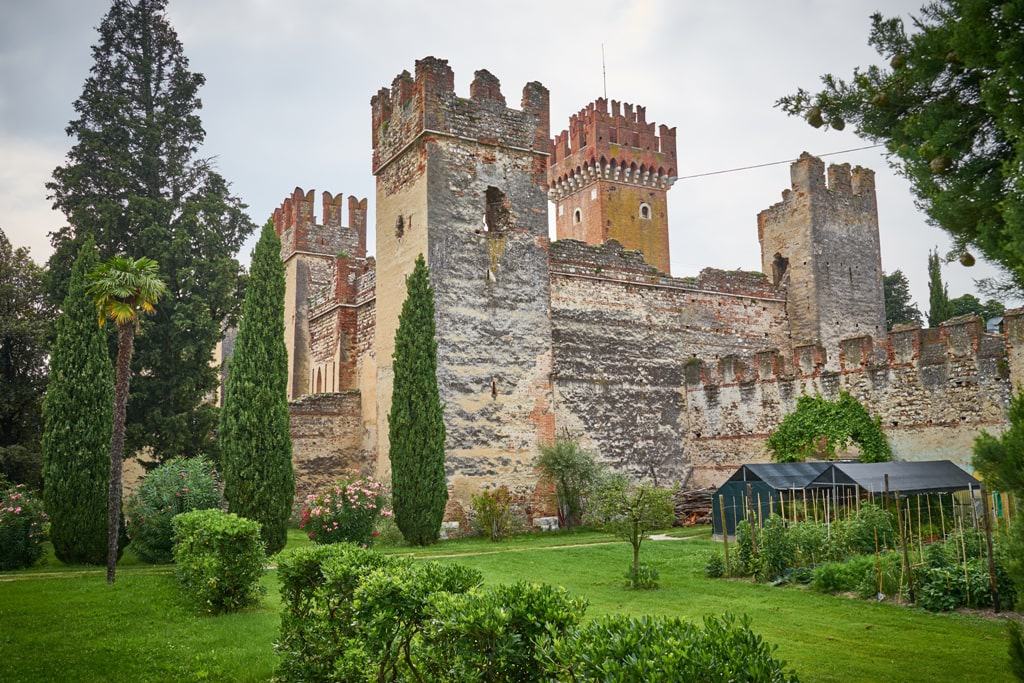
x=78 y=413
x=939 y=309
x=255 y=443
x=416 y=428
x=135 y=181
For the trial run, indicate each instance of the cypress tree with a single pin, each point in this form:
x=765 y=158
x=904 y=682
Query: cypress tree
x=78 y=414
x=256 y=447
x=416 y=429
x=939 y=309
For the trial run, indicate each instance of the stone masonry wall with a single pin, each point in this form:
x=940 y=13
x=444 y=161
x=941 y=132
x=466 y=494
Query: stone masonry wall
x=933 y=390
x=327 y=440
x=622 y=334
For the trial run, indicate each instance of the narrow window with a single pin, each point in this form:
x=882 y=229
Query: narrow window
x=779 y=267
x=645 y=211
x=399 y=226
x=496 y=216
x=494 y=388
x=577 y=216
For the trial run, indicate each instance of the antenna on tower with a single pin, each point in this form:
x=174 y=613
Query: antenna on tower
x=604 y=73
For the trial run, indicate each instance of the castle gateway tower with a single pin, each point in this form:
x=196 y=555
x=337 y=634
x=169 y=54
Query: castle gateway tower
x=462 y=182
x=609 y=177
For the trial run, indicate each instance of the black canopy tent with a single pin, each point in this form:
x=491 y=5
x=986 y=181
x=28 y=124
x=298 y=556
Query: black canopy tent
x=769 y=483
x=908 y=478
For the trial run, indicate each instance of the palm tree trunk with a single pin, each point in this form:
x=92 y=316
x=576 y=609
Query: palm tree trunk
x=125 y=348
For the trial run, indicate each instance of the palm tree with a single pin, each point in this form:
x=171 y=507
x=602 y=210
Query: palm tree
x=123 y=289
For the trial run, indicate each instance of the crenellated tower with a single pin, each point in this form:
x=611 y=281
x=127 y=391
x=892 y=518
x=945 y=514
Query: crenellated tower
x=609 y=176
x=821 y=243
x=462 y=181
x=310 y=251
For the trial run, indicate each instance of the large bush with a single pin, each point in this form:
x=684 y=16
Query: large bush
x=621 y=648
x=492 y=513
x=346 y=512
x=181 y=485
x=220 y=558
x=574 y=472
x=22 y=523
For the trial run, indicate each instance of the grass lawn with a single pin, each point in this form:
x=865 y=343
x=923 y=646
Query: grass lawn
x=64 y=623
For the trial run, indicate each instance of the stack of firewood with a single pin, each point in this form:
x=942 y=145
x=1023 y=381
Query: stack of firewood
x=693 y=506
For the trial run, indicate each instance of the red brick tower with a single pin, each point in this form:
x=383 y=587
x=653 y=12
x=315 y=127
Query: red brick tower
x=609 y=175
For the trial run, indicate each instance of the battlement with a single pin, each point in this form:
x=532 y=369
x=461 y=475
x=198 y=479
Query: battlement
x=617 y=145
x=958 y=341
x=427 y=104
x=295 y=223
x=809 y=182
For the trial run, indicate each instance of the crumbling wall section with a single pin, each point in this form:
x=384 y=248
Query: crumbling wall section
x=622 y=336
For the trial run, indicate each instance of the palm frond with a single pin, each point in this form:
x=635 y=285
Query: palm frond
x=123 y=288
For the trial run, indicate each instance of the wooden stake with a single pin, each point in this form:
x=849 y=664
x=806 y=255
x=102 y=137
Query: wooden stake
x=725 y=532
x=942 y=516
x=993 y=585
x=805 y=505
x=928 y=501
x=903 y=543
x=920 y=542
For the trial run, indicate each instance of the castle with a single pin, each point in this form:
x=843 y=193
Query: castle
x=670 y=379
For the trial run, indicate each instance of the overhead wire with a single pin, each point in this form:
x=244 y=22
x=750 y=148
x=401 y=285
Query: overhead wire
x=775 y=163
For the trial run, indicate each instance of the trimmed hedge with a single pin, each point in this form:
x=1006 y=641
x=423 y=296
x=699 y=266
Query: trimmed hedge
x=220 y=558
x=621 y=648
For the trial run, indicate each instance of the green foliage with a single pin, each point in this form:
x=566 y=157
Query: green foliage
x=355 y=615
x=939 y=309
x=631 y=512
x=776 y=551
x=857 y=535
x=22 y=522
x=1000 y=459
x=968 y=304
x=574 y=473
x=347 y=512
x=26 y=321
x=746 y=555
x=416 y=424
x=136 y=180
x=255 y=442
x=494 y=634
x=1016 y=648
x=492 y=513
x=219 y=559
x=22 y=465
x=622 y=648
x=948 y=111
x=78 y=412
x=842 y=577
x=818 y=427
x=180 y=485
x=899 y=308
x=889 y=567
x=1012 y=542
x=642 y=577
x=810 y=543
x=714 y=568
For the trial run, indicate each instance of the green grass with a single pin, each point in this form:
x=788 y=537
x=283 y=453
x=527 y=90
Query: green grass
x=74 y=627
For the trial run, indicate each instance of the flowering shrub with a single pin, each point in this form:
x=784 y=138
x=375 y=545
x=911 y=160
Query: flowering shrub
x=345 y=512
x=179 y=486
x=22 y=522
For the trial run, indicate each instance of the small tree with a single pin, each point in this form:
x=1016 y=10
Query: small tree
x=78 y=412
x=632 y=512
x=416 y=428
x=939 y=309
x=573 y=472
x=255 y=441
x=899 y=308
x=123 y=289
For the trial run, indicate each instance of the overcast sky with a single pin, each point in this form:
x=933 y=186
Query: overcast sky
x=289 y=83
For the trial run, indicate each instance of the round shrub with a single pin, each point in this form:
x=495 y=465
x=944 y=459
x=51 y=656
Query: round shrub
x=22 y=527
x=181 y=485
x=345 y=512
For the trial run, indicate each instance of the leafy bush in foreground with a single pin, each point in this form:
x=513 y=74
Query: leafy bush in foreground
x=220 y=558
x=621 y=648
x=181 y=485
x=21 y=528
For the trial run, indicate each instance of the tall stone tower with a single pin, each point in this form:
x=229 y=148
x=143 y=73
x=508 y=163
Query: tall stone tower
x=462 y=182
x=609 y=176
x=309 y=251
x=821 y=243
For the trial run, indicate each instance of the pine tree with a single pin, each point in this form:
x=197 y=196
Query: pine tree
x=416 y=429
x=78 y=414
x=255 y=443
x=938 y=293
x=135 y=181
